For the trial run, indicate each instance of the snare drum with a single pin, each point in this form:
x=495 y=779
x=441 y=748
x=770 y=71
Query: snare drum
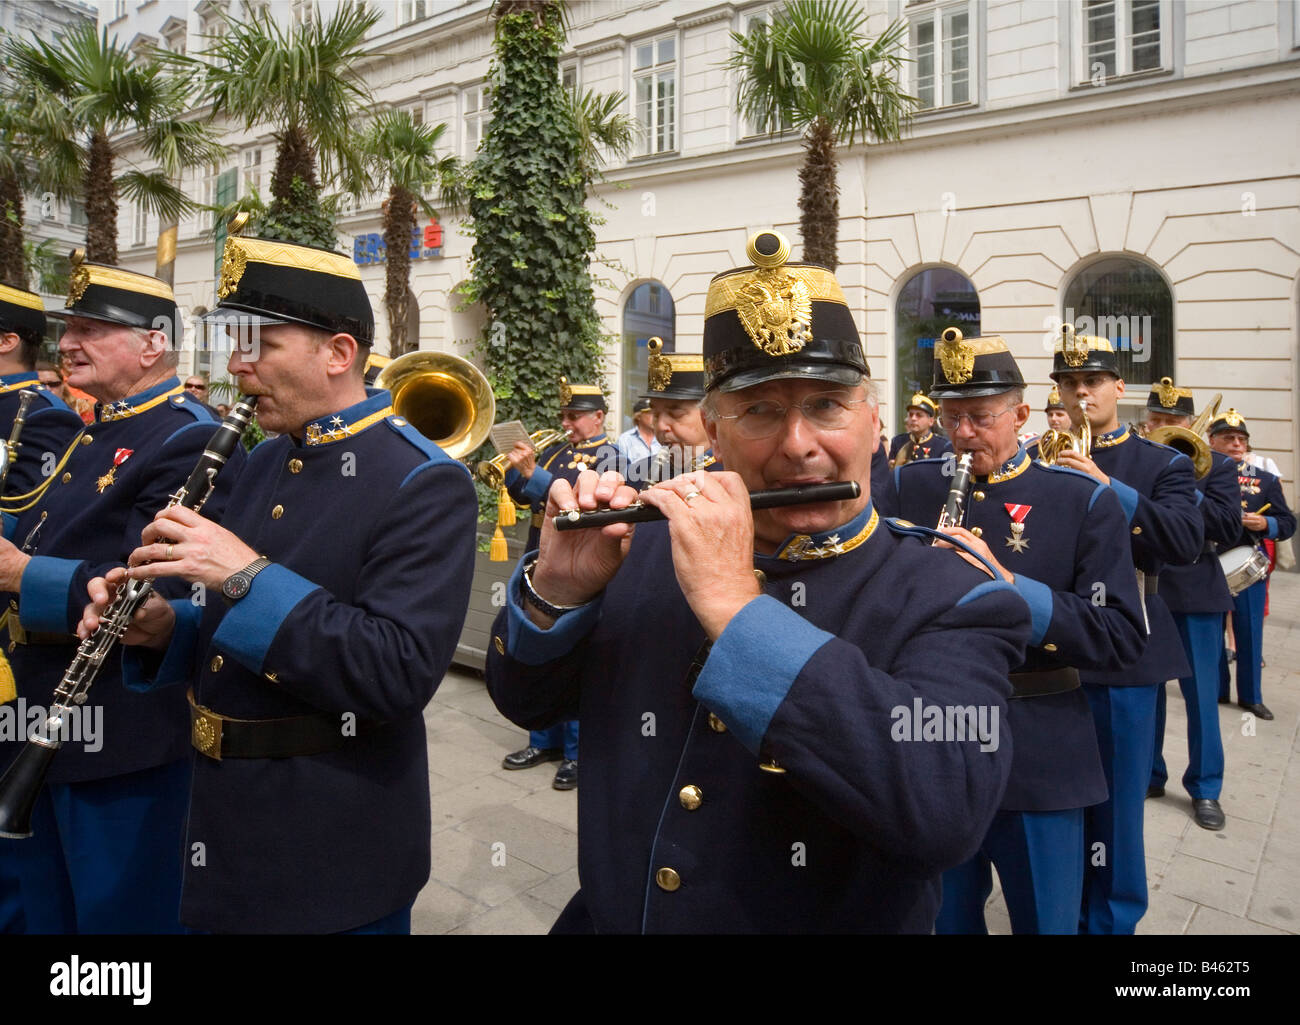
x=1243 y=567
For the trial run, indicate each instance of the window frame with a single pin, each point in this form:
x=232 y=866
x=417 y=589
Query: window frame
x=1082 y=68
x=936 y=13
x=653 y=73
x=746 y=130
x=482 y=115
x=140 y=225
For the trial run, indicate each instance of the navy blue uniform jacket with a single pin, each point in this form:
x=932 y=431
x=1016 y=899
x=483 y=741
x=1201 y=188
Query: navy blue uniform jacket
x=49 y=427
x=1074 y=570
x=1201 y=586
x=932 y=446
x=372 y=553
x=1257 y=489
x=1156 y=487
x=83 y=527
x=565 y=460
x=823 y=673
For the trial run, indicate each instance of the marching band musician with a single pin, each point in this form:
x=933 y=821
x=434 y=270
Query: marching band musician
x=105 y=851
x=1058 y=417
x=582 y=415
x=756 y=768
x=1156 y=487
x=1054 y=534
x=676 y=382
x=1259 y=490
x=1198 y=597
x=337 y=588
x=919 y=440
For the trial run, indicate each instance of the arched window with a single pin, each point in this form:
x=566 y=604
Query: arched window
x=647 y=313
x=1127 y=301
x=932 y=300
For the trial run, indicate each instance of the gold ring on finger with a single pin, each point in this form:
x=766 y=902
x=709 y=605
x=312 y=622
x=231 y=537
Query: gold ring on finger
x=170 y=551
x=690 y=495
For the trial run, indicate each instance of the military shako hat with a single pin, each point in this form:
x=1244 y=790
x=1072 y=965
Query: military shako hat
x=1165 y=398
x=777 y=320
x=581 y=396
x=22 y=312
x=100 y=292
x=675 y=375
x=919 y=401
x=1054 y=400
x=1229 y=421
x=1075 y=352
x=968 y=368
x=266 y=281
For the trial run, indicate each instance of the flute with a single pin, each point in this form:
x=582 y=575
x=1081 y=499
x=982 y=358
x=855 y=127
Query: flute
x=638 y=512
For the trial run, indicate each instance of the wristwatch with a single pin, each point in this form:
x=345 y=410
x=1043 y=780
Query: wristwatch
x=534 y=599
x=238 y=583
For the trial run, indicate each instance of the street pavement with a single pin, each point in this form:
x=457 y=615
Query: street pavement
x=505 y=843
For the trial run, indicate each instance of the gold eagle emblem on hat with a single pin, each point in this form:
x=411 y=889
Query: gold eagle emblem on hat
x=775 y=308
x=956 y=357
x=661 y=367
x=1073 y=347
x=566 y=393
x=80 y=277
x=1232 y=418
x=1167 y=393
x=234 y=261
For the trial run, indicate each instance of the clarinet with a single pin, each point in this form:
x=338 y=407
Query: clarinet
x=12 y=446
x=21 y=784
x=956 y=503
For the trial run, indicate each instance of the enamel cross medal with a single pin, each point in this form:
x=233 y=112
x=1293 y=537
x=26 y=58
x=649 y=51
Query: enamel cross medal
x=1017 y=542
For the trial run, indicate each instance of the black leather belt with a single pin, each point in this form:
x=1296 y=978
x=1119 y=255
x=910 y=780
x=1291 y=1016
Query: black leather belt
x=1048 y=681
x=17 y=635
x=219 y=736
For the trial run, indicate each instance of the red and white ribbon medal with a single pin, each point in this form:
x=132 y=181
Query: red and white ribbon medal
x=1017 y=542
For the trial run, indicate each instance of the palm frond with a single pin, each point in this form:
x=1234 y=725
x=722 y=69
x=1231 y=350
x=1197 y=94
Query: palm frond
x=156 y=192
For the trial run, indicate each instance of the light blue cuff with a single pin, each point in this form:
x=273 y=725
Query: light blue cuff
x=1272 y=528
x=753 y=665
x=11 y=525
x=1038 y=596
x=249 y=627
x=533 y=646
x=44 y=592
x=538 y=485
x=177 y=664
x=1128 y=498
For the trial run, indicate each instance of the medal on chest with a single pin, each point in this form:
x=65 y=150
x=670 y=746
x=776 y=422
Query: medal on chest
x=1017 y=542
x=106 y=481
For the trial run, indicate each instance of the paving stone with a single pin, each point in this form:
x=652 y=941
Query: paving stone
x=1167 y=914
x=1239 y=845
x=548 y=846
x=467 y=865
x=1207 y=882
x=1211 y=922
x=440 y=909
x=558 y=890
x=482 y=796
x=519 y=916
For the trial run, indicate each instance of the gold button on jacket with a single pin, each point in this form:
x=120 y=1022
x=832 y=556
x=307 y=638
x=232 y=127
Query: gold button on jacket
x=668 y=879
x=691 y=797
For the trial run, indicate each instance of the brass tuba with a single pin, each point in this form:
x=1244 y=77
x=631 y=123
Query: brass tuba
x=444 y=397
x=1189 y=440
x=1053 y=442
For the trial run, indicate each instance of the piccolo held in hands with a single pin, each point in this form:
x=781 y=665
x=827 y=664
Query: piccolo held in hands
x=836 y=491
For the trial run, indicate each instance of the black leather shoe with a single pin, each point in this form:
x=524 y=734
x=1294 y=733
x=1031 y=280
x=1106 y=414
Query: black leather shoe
x=531 y=756
x=566 y=776
x=1260 y=711
x=1225 y=701
x=1155 y=790
x=1208 y=814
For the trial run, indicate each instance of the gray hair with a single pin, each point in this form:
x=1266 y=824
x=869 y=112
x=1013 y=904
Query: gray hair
x=709 y=406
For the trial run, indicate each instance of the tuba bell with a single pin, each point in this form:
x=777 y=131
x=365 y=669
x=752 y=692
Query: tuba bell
x=1190 y=440
x=444 y=397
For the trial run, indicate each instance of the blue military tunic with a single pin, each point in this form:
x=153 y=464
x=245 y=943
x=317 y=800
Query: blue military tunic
x=566 y=460
x=118 y=476
x=1259 y=488
x=864 y=637
x=1069 y=558
x=370 y=529
x=50 y=425
x=1200 y=587
x=931 y=446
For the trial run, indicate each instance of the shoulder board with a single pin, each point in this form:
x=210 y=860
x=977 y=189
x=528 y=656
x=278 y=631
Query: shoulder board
x=429 y=449
x=1070 y=470
x=196 y=409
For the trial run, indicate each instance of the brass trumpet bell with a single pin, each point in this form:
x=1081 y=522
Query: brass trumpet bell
x=1053 y=442
x=1189 y=440
x=492 y=472
x=445 y=398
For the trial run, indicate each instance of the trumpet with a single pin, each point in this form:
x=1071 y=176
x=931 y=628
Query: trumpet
x=492 y=472
x=956 y=502
x=21 y=784
x=1053 y=442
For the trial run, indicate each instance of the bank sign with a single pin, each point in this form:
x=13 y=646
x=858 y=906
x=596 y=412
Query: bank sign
x=426 y=243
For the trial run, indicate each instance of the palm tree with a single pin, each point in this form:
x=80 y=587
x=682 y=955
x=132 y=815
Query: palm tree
x=92 y=99
x=297 y=79
x=15 y=177
x=403 y=154
x=602 y=125
x=815 y=66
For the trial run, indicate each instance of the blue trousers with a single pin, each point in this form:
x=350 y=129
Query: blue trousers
x=104 y=856
x=396 y=924
x=1115 y=870
x=1039 y=855
x=1248 y=631
x=561 y=734
x=1202 y=635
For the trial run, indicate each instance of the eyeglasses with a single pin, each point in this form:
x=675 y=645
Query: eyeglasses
x=827 y=411
x=575 y=414
x=980 y=421
x=195 y=386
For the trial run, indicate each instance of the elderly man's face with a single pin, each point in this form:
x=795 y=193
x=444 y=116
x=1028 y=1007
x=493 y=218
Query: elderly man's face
x=986 y=427
x=102 y=359
x=582 y=424
x=1155 y=418
x=1231 y=443
x=679 y=422
x=798 y=451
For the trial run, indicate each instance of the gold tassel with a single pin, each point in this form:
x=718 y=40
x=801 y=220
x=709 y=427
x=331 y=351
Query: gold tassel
x=505 y=509
x=498 y=552
x=8 y=688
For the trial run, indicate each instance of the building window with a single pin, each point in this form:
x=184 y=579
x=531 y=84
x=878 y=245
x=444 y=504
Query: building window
x=940 y=41
x=119 y=9
x=654 y=88
x=417 y=114
x=255 y=8
x=140 y=226
x=77 y=215
x=303 y=11
x=752 y=22
x=569 y=77
x=1127 y=301
x=478 y=112
x=412 y=10
x=252 y=178
x=173 y=34
x=930 y=301
x=647 y=313
x=1122 y=37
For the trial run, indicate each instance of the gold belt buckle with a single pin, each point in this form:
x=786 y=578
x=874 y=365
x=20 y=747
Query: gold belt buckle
x=205 y=729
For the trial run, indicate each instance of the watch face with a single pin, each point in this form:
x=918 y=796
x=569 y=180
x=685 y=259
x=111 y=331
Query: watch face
x=235 y=586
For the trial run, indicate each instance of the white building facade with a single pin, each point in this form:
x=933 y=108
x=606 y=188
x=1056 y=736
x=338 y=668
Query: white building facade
x=1131 y=164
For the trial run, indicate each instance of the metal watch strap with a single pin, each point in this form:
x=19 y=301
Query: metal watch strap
x=248 y=573
x=534 y=599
